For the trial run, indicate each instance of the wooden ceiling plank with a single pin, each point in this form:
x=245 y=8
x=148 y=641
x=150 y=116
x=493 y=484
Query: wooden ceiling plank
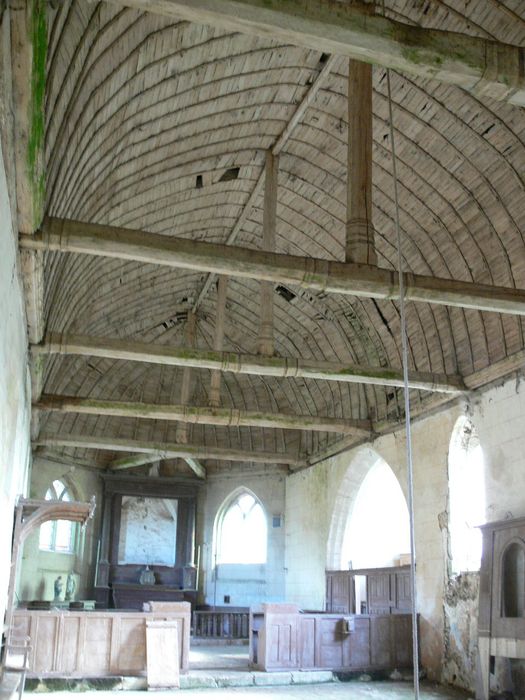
x=310 y=273
x=229 y=417
x=166 y=450
x=482 y=66
x=276 y=149
x=56 y=343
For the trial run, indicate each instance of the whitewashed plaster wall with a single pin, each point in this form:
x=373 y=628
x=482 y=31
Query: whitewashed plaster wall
x=264 y=583
x=39 y=568
x=14 y=384
x=318 y=502
x=498 y=416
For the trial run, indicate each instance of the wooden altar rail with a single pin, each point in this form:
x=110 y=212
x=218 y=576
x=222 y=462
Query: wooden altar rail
x=221 y=624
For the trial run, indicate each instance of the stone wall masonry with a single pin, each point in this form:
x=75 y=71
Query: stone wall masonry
x=499 y=418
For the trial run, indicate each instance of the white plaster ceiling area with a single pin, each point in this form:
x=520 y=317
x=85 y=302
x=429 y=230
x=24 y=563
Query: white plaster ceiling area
x=162 y=125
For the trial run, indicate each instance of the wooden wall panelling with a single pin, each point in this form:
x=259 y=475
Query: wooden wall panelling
x=307 y=643
x=330 y=645
x=358 y=647
x=401 y=635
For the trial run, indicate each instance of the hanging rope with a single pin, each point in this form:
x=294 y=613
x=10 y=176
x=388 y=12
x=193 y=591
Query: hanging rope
x=404 y=343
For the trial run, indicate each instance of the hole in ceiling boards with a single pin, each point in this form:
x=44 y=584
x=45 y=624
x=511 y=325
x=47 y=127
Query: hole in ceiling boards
x=488 y=130
x=198 y=182
x=285 y=293
x=179 y=317
x=382 y=317
x=323 y=58
x=230 y=174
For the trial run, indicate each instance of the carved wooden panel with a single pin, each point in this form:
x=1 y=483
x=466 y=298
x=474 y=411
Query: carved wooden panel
x=379 y=593
x=403 y=592
x=330 y=643
x=307 y=639
x=380 y=642
x=358 y=645
x=401 y=633
x=340 y=592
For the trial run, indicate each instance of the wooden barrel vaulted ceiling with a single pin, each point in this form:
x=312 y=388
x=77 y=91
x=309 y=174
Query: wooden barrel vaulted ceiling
x=162 y=125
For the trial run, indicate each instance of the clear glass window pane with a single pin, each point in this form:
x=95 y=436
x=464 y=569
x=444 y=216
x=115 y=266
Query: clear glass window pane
x=63 y=535
x=46 y=535
x=243 y=535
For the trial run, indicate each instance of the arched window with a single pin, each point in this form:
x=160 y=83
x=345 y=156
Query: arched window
x=242 y=531
x=513 y=581
x=378 y=529
x=58 y=535
x=467 y=497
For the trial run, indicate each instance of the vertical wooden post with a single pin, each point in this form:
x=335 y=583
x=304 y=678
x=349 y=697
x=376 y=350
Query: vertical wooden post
x=359 y=229
x=269 y=221
x=215 y=382
x=181 y=434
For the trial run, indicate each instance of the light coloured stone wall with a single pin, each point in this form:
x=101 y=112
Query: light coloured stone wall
x=14 y=384
x=498 y=416
x=251 y=583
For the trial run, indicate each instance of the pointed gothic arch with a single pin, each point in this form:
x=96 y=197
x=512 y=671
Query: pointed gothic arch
x=241 y=529
x=351 y=491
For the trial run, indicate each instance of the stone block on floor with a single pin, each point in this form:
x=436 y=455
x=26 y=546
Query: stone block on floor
x=272 y=678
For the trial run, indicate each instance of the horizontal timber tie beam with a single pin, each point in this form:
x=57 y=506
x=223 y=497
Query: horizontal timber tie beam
x=139 y=460
x=242 y=364
x=166 y=450
x=484 y=67
x=311 y=273
x=230 y=417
